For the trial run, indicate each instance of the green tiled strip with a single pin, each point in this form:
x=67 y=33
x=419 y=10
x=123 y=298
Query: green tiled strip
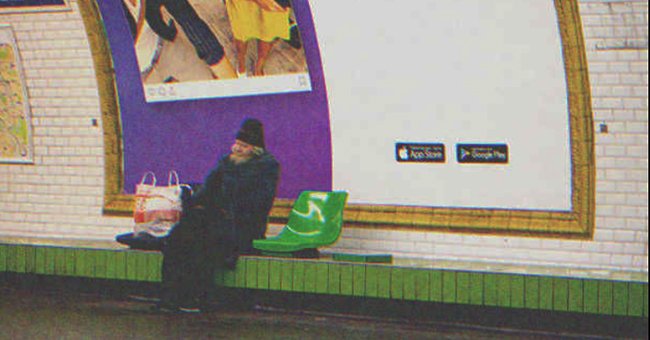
x=592 y=296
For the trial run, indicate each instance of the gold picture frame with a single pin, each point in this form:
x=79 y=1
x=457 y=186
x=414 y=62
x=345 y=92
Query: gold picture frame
x=575 y=224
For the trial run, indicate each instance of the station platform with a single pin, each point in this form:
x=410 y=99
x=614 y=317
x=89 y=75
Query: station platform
x=536 y=288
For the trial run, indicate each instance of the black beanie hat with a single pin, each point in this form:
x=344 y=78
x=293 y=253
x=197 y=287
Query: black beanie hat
x=252 y=132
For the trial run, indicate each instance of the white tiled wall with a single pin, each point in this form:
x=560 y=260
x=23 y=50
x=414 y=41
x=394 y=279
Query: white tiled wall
x=617 y=51
x=61 y=194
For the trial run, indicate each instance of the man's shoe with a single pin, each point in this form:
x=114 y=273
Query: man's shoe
x=189 y=309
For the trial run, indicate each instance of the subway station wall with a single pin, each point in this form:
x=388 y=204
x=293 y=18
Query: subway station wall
x=60 y=194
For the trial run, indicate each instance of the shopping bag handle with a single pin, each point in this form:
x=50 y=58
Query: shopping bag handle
x=173 y=175
x=146 y=175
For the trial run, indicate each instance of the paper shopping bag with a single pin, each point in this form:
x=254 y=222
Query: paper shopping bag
x=157 y=208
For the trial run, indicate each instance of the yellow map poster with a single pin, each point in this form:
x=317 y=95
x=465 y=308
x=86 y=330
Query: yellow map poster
x=15 y=126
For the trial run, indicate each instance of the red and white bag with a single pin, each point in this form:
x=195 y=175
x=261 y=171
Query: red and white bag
x=157 y=208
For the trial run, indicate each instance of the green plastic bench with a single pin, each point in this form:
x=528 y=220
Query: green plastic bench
x=315 y=221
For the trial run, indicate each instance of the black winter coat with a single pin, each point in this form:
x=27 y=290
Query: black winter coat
x=239 y=197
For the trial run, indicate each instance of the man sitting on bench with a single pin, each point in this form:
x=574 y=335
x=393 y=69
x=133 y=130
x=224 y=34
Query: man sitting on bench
x=220 y=221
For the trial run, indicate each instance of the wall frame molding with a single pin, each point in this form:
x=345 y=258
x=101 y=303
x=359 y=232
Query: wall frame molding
x=35 y=7
x=575 y=224
x=115 y=203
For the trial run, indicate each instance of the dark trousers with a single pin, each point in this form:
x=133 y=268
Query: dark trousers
x=193 y=252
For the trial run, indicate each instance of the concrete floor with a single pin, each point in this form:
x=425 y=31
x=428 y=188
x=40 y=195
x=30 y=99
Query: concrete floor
x=27 y=314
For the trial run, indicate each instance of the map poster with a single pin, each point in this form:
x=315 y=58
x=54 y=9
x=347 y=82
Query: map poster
x=15 y=123
x=16 y=6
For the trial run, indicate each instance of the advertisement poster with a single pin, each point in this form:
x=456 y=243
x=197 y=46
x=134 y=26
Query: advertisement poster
x=457 y=132
x=210 y=49
x=451 y=108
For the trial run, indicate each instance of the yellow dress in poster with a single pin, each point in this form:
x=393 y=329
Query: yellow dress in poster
x=249 y=21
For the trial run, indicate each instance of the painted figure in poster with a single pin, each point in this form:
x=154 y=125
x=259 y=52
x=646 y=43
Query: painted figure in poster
x=207 y=46
x=179 y=41
x=263 y=21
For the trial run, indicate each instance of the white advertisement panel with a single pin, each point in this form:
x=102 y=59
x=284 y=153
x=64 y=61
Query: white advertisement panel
x=447 y=72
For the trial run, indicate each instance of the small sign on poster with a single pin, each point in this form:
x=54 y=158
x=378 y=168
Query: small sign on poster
x=482 y=153
x=420 y=152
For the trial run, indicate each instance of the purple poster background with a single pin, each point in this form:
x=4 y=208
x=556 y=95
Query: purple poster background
x=190 y=136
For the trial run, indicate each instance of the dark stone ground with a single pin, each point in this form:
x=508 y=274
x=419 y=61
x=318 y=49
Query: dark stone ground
x=61 y=308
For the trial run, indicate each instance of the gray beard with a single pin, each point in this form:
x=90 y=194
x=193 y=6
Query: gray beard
x=238 y=159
